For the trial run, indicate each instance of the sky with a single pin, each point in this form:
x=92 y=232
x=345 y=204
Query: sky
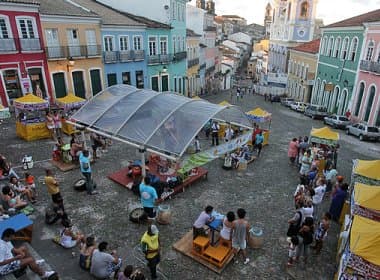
x=329 y=10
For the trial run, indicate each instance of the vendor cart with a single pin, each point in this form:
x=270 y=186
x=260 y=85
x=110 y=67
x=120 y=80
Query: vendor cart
x=69 y=104
x=261 y=116
x=4 y=113
x=324 y=135
x=30 y=122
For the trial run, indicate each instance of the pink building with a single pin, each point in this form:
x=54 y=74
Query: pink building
x=366 y=101
x=23 y=65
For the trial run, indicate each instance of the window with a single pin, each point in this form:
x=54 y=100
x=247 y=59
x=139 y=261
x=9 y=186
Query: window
x=183 y=44
x=360 y=98
x=337 y=47
x=353 y=49
x=370 y=48
x=139 y=79
x=126 y=78
x=289 y=10
x=330 y=46
x=178 y=44
x=152 y=46
x=174 y=45
x=378 y=54
x=173 y=9
x=306 y=72
x=137 y=43
x=369 y=103
x=124 y=43
x=26 y=28
x=164 y=45
x=108 y=44
x=304 y=10
x=3 y=29
x=344 y=54
x=324 y=45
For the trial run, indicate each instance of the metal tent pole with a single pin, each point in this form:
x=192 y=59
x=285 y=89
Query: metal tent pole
x=142 y=152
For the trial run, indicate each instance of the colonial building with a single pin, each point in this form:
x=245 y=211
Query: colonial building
x=339 y=59
x=72 y=39
x=293 y=24
x=365 y=105
x=23 y=66
x=193 y=51
x=166 y=43
x=303 y=61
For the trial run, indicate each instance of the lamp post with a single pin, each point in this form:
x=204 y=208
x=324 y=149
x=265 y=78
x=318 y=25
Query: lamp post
x=163 y=71
x=70 y=63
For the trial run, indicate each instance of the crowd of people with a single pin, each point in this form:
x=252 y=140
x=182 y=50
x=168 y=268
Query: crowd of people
x=319 y=182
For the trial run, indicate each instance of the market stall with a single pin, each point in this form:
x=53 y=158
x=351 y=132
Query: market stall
x=30 y=117
x=262 y=117
x=69 y=104
x=4 y=113
x=324 y=136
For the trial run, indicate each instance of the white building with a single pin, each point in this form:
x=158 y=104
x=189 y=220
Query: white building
x=241 y=37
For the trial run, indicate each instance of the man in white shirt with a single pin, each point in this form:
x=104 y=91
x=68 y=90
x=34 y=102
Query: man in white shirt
x=203 y=219
x=228 y=134
x=319 y=192
x=12 y=259
x=215 y=133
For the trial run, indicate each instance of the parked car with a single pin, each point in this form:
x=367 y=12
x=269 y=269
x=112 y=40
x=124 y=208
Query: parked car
x=275 y=98
x=363 y=131
x=337 y=121
x=287 y=101
x=298 y=106
x=316 y=111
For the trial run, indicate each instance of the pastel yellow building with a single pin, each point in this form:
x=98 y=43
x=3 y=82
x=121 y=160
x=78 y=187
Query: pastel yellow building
x=263 y=45
x=192 y=74
x=72 y=42
x=303 y=61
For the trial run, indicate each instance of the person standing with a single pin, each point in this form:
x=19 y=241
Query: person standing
x=259 y=142
x=293 y=150
x=148 y=196
x=240 y=235
x=150 y=244
x=215 y=133
x=337 y=201
x=228 y=134
x=57 y=123
x=53 y=189
x=85 y=168
x=306 y=163
x=50 y=124
x=103 y=264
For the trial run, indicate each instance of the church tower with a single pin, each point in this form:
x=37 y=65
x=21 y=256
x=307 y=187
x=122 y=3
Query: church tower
x=201 y=4
x=268 y=19
x=210 y=7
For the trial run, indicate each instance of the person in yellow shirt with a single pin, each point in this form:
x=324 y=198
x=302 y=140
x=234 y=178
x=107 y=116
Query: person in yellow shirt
x=53 y=188
x=150 y=244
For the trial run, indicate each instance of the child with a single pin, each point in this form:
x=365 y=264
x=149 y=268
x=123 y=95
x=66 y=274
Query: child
x=86 y=250
x=321 y=232
x=67 y=238
x=197 y=144
x=293 y=244
x=29 y=183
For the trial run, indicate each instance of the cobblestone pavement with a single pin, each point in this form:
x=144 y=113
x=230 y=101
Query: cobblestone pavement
x=265 y=190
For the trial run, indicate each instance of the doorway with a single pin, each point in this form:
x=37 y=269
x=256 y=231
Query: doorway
x=38 y=83
x=165 y=83
x=59 y=85
x=96 y=83
x=154 y=83
x=78 y=82
x=111 y=79
x=12 y=83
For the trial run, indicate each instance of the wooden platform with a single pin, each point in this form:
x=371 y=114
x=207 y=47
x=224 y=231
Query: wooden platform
x=122 y=179
x=64 y=166
x=185 y=246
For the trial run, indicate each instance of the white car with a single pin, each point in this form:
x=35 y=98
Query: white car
x=363 y=131
x=337 y=121
x=298 y=106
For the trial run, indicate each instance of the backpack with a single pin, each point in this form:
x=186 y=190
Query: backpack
x=295 y=228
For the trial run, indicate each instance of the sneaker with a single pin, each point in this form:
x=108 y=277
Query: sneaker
x=40 y=262
x=47 y=274
x=246 y=261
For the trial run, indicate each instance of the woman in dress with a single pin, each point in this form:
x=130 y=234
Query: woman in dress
x=293 y=150
x=226 y=232
x=50 y=124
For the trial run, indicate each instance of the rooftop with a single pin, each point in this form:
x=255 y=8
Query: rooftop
x=64 y=8
x=191 y=33
x=309 y=47
x=35 y=2
x=358 y=20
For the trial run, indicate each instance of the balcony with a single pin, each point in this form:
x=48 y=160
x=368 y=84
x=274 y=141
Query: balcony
x=159 y=59
x=110 y=57
x=192 y=62
x=178 y=56
x=370 y=66
x=125 y=56
x=63 y=52
x=7 y=45
x=30 y=44
x=139 y=55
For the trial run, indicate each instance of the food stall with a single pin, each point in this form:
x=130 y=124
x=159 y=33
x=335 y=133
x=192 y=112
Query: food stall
x=4 y=113
x=261 y=116
x=324 y=136
x=69 y=104
x=30 y=117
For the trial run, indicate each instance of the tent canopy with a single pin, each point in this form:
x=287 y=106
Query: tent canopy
x=367 y=196
x=225 y=103
x=70 y=101
x=162 y=122
x=259 y=115
x=324 y=135
x=30 y=98
x=368 y=168
x=365 y=239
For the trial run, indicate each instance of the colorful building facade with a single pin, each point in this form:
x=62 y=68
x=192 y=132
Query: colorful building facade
x=23 y=66
x=193 y=51
x=73 y=48
x=365 y=105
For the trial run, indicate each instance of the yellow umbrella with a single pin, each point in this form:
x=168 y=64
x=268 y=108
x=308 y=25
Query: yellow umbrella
x=70 y=98
x=224 y=103
x=368 y=168
x=30 y=98
x=325 y=133
x=259 y=113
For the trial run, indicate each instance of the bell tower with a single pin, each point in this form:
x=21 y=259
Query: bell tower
x=210 y=7
x=302 y=20
x=201 y=4
x=268 y=19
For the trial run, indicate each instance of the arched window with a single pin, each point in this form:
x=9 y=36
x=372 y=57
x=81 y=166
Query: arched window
x=330 y=46
x=304 y=10
x=354 y=48
x=377 y=123
x=372 y=91
x=344 y=52
x=370 y=49
x=324 y=45
x=378 y=54
x=360 y=98
x=316 y=91
x=337 y=47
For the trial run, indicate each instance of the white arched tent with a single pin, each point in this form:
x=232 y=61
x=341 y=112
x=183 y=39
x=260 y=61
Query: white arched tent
x=163 y=123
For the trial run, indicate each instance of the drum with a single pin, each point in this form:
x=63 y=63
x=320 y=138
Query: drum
x=256 y=238
x=66 y=157
x=164 y=215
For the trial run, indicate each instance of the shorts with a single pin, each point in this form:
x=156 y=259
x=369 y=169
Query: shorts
x=239 y=245
x=149 y=211
x=10 y=267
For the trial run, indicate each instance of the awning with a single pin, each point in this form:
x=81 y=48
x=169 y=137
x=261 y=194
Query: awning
x=368 y=168
x=163 y=122
x=367 y=196
x=259 y=115
x=224 y=103
x=70 y=101
x=324 y=135
x=30 y=102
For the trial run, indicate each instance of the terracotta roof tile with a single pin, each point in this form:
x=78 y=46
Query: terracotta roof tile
x=63 y=8
x=309 y=47
x=358 y=20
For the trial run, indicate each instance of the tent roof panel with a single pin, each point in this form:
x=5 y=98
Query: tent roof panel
x=368 y=168
x=367 y=196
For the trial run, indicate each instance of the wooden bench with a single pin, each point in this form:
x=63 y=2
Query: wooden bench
x=200 y=244
x=217 y=255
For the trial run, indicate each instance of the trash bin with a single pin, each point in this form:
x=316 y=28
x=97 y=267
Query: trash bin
x=256 y=237
x=164 y=214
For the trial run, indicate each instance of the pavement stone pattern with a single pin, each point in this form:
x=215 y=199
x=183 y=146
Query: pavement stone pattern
x=265 y=190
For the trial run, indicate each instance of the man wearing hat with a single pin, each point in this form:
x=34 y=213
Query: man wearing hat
x=150 y=244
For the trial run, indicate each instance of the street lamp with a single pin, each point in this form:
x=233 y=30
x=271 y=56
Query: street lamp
x=70 y=63
x=163 y=71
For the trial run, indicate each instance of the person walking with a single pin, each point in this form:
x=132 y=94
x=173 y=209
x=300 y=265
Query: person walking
x=240 y=235
x=215 y=133
x=150 y=244
x=85 y=168
x=259 y=142
x=53 y=189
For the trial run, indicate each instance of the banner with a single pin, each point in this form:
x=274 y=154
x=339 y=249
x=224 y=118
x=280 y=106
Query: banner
x=201 y=158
